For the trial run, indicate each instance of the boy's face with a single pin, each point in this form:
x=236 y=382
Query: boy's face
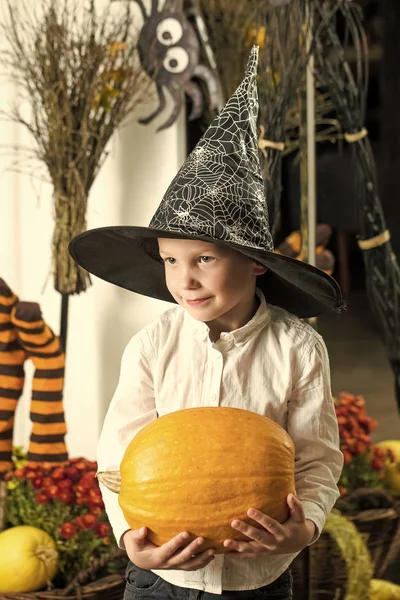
x=207 y=280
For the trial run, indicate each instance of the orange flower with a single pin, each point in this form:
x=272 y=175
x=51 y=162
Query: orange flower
x=64 y=484
x=65 y=496
x=103 y=529
x=95 y=510
x=72 y=473
x=89 y=521
x=79 y=522
x=51 y=491
x=88 y=481
x=347 y=457
x=41 y=498
x=37 y=483
x=67 y=531
x=57 y=474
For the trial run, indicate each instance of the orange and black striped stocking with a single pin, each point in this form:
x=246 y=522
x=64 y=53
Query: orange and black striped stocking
x=47 y=442
x=12 y=358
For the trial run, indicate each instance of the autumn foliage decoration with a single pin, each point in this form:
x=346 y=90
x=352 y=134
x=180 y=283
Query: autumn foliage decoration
x=65 y=501
x=364 y=463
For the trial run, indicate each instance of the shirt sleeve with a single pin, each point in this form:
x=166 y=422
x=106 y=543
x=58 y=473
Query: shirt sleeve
x=131 y=408
x=313 y=427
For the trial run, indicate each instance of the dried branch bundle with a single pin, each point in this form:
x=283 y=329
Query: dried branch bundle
x=347 y=88
x=280 y=33
x=78 y=70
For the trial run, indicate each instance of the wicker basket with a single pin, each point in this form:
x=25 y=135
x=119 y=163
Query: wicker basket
x=109 y=587
x=319 y=571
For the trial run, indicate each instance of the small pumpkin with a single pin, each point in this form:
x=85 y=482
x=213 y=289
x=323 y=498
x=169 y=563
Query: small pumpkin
x=384 y=590
x=28 y=561
x=197 y=469
x=392 y=470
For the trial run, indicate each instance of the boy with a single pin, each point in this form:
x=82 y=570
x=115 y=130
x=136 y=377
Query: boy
x=232 y=341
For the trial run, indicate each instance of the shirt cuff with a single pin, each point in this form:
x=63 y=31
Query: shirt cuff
x=314 y=513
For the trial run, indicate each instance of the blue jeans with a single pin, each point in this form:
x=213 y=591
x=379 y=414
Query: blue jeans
x=148 y=586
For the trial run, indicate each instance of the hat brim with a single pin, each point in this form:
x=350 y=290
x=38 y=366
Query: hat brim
x=119 y=255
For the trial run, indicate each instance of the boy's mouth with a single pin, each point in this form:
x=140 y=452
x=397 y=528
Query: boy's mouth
x=197 y=301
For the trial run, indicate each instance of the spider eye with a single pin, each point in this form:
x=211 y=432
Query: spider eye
x=169 y=32
x=176 y=60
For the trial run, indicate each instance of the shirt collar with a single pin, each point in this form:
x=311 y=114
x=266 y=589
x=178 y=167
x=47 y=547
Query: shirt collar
x=238 y=336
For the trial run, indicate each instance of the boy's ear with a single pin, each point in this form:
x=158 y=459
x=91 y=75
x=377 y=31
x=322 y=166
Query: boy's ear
x=258 y=269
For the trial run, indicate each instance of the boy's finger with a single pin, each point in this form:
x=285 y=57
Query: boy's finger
x=197 y=562
x=189 y=551
x=169 y=548
x=296 y=508
x=272 y=526
x=139 y=536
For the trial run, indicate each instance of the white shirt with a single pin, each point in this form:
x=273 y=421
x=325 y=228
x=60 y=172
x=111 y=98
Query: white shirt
x=277 y=366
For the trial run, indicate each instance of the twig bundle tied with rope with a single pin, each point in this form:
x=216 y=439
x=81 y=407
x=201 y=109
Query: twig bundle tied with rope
x=347 y=88
x=76 y=70
x=280 y=32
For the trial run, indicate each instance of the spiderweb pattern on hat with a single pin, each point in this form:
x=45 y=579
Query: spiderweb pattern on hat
x=219 y=191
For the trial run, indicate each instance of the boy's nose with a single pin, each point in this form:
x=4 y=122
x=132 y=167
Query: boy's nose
x=188 y=280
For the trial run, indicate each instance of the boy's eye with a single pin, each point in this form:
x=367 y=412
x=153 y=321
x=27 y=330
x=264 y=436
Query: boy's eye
x=170 y=260
x=206 y=259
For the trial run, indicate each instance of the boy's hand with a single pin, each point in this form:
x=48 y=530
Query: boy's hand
x=274 y=538
x=174 y=554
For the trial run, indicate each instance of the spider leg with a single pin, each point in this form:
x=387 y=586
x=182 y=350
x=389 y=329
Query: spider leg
x=142 y=8
x=177 y=98
x=212 y=82
x=161 y=106
x=194 y=92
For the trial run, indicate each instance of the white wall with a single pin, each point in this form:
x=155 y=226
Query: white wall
x=127 y=191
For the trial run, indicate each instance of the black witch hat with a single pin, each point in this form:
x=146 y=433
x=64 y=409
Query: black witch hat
x=217 y=196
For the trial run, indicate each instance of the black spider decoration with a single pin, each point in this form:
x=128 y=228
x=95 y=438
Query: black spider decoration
x=169 y=52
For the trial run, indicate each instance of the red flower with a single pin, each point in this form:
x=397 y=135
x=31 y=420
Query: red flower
x=79 y=522
x=57 y=474
x=95 y=510
x=20 y=473
x=47 y=482
x=102 y=529
x=30 y=474
x=72 y=473
x=37 y=483
x=64 y=484
x=94 y=493
x=377 y=464
x=67 y=531
x=88 y=481
x=347 y=457
x=65 y=496
x=51 y=491
x=96 y=501
x=41 y=498
x=80 y=465
x=106 y=541
x=89 y=521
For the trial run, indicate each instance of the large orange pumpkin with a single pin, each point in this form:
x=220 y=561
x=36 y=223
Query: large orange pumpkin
x=198 y=469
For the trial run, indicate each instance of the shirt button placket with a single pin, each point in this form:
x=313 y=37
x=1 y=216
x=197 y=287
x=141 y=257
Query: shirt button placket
x=217 y=377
